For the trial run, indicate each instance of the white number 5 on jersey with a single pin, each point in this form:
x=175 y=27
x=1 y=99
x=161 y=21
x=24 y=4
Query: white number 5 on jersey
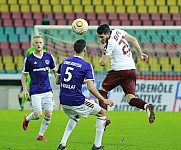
x=68 y=69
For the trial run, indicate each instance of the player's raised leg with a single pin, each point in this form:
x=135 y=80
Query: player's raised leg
x=150 y=111
x=141 y=104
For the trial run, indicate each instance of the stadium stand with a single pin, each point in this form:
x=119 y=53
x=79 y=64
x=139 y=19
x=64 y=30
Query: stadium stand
x=17 y=18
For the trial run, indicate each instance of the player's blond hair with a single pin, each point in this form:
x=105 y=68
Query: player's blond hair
x=38 y=36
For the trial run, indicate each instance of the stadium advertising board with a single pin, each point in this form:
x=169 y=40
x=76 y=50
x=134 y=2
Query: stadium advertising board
x=164 y=95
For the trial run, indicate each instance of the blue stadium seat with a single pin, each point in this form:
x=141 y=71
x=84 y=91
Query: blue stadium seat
x=177 y=40
x=1 y=30
x=167 y=39
x=151 y=33
x=155 y=39
x=131 y=32
x=144 y=39
x=9 y=30
x=172 y=32
x=3 y=38
x=29 y=30
x=13 y=38
x=24 y=38
x=20 y=30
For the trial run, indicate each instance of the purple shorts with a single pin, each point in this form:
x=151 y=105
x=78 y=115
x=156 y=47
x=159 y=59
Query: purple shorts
x=125 y=78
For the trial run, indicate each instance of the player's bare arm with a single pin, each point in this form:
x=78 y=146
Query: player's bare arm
x=55 y=72
x=94 y=91
x=103 y=60
x=136 y=45
x=24 y=84
x=57 y=79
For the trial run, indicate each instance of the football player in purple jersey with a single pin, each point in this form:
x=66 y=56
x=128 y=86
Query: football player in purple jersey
x=37 y=66
x=71 y=74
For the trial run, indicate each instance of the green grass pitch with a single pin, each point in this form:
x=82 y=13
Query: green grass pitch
x=128 y=131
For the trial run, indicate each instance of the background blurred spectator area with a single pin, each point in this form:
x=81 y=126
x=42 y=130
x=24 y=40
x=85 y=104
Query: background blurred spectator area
x=18 y=17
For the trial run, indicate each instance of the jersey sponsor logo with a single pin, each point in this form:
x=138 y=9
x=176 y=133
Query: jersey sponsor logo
x=40 y=69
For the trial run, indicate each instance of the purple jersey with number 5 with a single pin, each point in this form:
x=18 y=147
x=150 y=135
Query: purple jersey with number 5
x=73 y=72
x=119 y=51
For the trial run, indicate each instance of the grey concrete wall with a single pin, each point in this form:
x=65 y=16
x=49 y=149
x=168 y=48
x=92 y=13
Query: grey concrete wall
x=3 y=97
x=9 y=97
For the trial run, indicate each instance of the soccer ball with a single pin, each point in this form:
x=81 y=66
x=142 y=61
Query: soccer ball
x=80 y=26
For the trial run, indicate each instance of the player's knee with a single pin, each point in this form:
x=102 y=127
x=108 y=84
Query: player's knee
x=48 y=114
x=38 y=115
x=76 y=118
x=103 y=112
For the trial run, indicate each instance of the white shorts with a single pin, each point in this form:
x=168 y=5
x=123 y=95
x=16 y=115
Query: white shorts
x=42 y=101
x=88 y=108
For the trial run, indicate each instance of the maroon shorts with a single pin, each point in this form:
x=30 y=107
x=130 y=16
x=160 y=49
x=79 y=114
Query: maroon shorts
x=125 y=78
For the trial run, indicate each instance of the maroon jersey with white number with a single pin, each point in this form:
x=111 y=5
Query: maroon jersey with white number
x=119 y=51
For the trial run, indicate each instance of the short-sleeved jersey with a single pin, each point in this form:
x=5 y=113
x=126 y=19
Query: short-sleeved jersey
x=37 y=67
x=119 y=51
x=29 y=52
x=73 y=72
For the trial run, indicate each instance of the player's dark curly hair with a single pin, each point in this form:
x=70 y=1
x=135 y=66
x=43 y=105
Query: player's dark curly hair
x=103 y=29
x=79 y=46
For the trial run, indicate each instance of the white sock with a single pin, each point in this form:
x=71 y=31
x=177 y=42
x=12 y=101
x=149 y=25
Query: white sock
x=44 y=125
x=31 y=117
x=145 y=106
x=100 y=125
x=68 y=130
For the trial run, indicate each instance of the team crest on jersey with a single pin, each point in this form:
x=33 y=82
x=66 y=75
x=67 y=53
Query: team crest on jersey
x=47 y=62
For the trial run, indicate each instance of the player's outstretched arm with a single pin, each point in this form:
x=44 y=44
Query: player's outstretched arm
x=94 y=91
x=136 y=45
